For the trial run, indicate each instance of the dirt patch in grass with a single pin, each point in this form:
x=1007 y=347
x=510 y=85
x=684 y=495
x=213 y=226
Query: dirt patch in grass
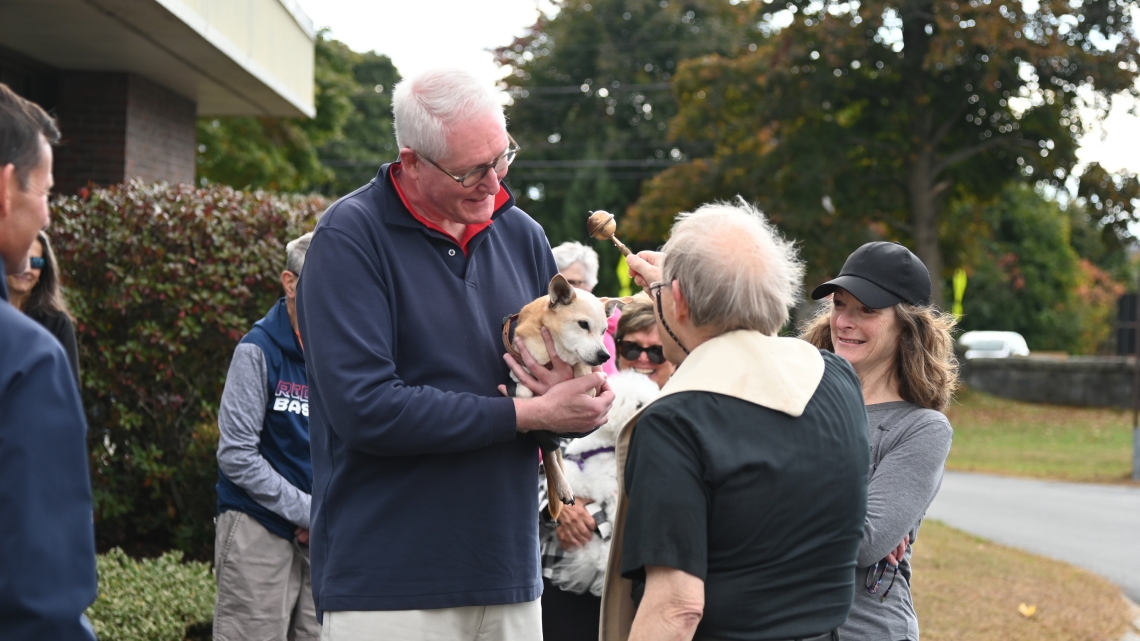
x=968 y=588
x=1001 y=436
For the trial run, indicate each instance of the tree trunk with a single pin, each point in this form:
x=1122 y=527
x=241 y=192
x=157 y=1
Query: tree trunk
x=925 y=210
x=924 y=202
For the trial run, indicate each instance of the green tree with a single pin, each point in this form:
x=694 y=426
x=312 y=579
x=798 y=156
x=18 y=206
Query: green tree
x=367 y=138
x=333 y=152
x=591 y=98
x=1024 y=275
x=1105 y=206
x=865 y=119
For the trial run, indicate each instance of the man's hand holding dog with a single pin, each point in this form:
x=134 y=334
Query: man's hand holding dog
x=536 y=377
x=567 y=406
x=562 y=403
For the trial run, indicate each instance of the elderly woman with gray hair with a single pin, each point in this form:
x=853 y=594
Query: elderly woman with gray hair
x=578 y=264
x=743 y=487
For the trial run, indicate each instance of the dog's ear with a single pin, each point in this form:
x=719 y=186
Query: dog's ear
x=561 y=293
x=612 y=303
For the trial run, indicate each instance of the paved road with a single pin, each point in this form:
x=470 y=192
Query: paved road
x=1096 y=527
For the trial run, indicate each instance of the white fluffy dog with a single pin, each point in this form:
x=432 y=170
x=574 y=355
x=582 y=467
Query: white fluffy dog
x=591 y=470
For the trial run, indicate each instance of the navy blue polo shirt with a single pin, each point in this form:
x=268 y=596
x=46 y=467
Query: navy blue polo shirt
x=423 y=490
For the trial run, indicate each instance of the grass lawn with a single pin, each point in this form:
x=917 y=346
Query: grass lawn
x=1001 y=436
x=968 y=588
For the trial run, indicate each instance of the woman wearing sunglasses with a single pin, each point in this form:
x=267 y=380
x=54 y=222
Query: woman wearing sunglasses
x=880 y=319
x=36 y=292
x=638 y=346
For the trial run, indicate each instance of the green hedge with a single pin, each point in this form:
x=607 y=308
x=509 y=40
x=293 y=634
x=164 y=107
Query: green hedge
x=163 y=282
x=151 y=599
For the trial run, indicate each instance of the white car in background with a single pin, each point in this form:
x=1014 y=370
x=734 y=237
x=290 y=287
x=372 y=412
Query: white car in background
x=993 y=344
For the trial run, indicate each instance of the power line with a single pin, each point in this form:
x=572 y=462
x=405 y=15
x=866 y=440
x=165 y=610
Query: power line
x=594 y=163
x=533 y=164
x=617 y=144
x=570 y=89
x=567 y=177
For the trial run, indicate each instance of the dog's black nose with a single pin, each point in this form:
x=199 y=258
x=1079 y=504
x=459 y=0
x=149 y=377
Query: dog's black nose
x=602 y=356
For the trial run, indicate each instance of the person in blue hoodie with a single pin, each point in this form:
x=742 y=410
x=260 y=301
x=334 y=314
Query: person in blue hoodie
x=265 y=478
x=47 y=542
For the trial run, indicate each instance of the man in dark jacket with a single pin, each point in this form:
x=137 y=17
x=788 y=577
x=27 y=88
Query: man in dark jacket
x=47 y=542
x=265 y=477
x=423 y=486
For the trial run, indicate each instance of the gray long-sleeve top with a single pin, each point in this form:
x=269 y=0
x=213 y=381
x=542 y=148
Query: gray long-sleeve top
x=240 y=420
x=909 y=446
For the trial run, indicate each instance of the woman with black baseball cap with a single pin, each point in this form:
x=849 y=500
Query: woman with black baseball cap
x=880 y=318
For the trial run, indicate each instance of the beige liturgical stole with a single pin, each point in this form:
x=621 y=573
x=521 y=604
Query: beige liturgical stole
x=778 y=373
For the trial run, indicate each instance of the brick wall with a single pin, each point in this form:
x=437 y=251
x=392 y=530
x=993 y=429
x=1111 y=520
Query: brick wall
x=118 y=126
x=161 y=134
x=92 y=112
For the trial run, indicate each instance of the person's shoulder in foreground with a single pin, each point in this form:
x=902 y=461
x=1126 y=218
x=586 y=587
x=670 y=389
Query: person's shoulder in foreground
x=47 y=545
x=47 y=541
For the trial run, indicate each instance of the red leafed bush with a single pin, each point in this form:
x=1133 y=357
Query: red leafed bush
x=163 y=282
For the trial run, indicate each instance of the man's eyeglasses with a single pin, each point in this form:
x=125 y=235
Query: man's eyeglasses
x=655 y=288
x=472 y=178
x=632 y=351
x=875 y=577
x=37 y=262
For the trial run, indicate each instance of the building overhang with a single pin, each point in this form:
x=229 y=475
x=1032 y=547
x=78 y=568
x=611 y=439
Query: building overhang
x=231 y=57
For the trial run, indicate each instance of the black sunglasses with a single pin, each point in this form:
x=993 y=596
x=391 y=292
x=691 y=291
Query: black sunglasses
x=632 y=351
x=871 y=581
x=37 y=262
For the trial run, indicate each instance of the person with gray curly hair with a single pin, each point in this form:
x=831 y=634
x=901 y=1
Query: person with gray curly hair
x=578 y=263
x=741 y=502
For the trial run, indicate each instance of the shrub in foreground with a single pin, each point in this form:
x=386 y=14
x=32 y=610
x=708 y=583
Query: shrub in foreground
x=163 y=281
x=151 y=599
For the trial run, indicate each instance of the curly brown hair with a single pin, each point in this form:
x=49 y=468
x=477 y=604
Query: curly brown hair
x=926 y=367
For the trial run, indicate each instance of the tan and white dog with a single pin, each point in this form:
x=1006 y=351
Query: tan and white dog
x=576 y=321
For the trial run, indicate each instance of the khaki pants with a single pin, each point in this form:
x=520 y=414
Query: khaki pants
x=264 y=589
x=515 y=622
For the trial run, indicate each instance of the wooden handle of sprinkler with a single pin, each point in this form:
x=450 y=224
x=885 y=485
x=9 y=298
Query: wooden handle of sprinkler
x=621 y=246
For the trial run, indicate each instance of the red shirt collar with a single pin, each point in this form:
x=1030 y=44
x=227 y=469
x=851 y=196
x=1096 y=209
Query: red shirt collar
x=471 y=230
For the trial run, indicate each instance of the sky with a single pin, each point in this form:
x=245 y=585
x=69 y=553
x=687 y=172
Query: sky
x=422 y=34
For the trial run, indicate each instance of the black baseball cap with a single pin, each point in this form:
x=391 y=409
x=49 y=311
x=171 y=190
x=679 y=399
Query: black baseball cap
x=881 y=274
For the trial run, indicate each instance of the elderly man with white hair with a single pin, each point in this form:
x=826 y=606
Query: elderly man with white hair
x=742 y=493
x=406 y=285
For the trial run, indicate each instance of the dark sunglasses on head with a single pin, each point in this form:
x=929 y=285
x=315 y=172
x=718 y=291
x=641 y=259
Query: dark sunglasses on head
x=632 y=351
x=38 y=262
